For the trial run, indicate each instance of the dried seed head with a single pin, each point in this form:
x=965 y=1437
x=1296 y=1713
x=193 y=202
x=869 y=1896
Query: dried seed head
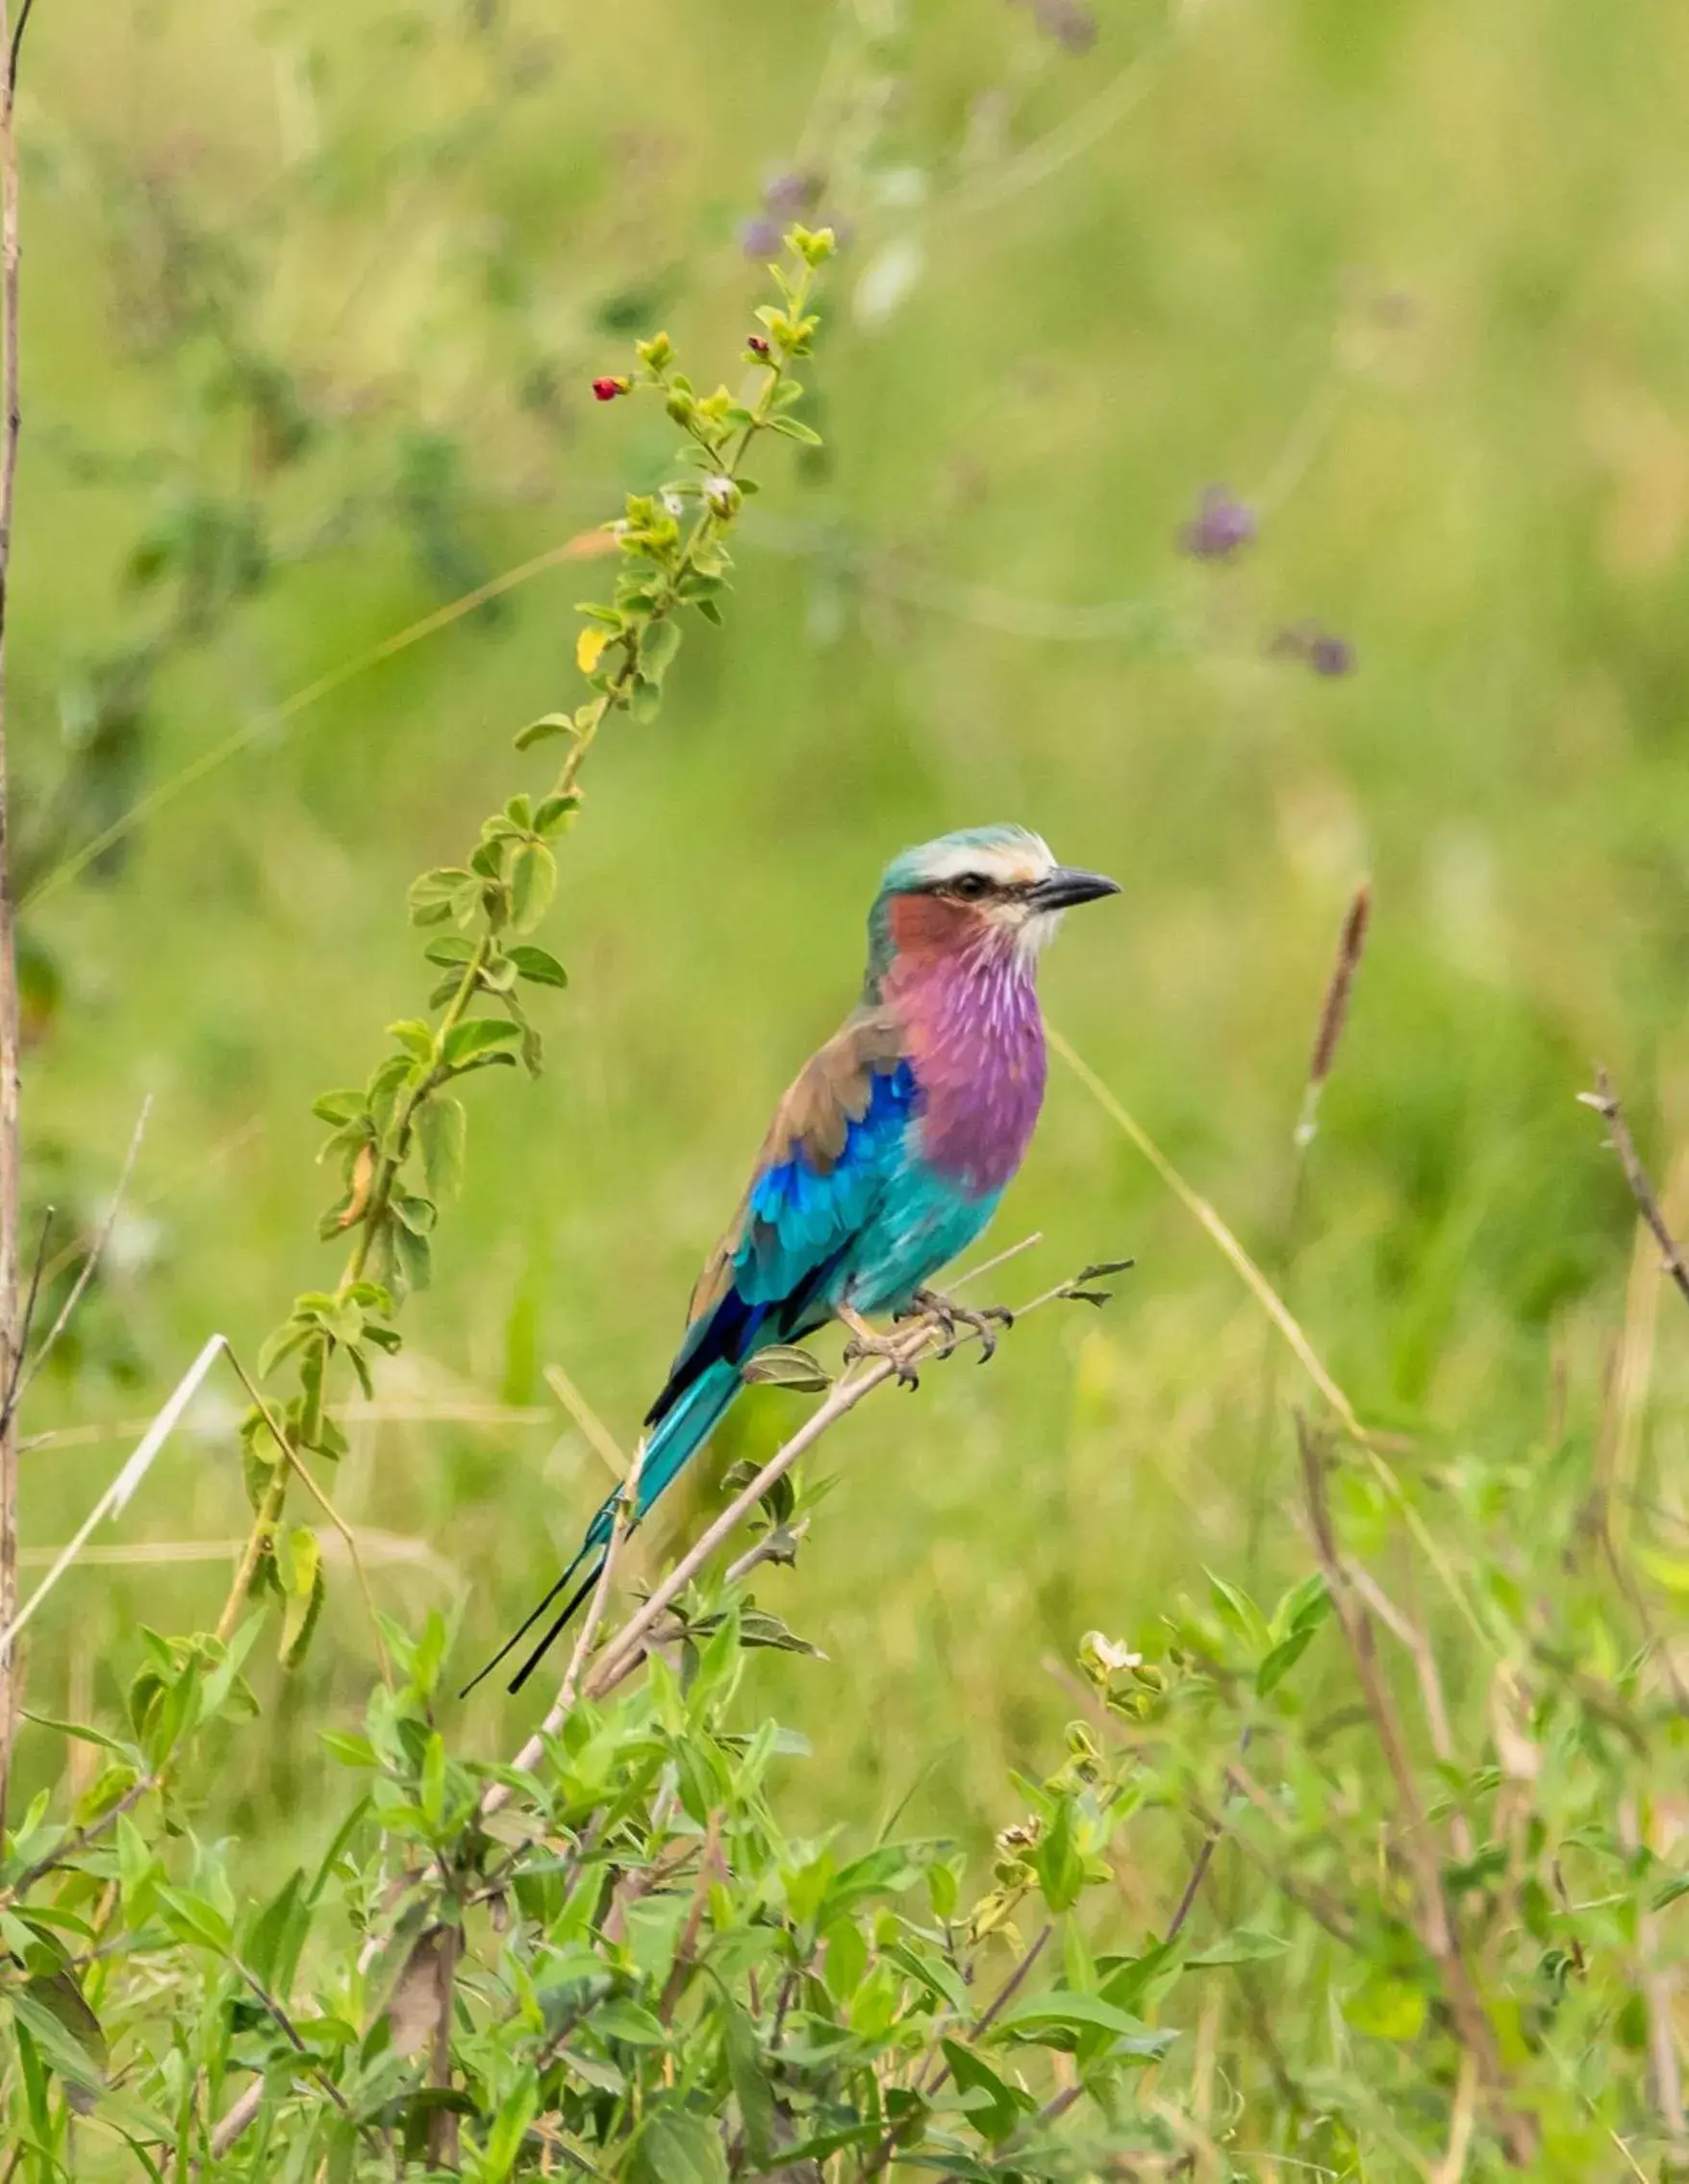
x=1351 y=944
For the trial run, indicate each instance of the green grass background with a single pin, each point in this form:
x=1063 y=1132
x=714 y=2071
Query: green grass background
x=1409 y=278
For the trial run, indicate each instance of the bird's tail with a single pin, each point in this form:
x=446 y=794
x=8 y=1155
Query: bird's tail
x=678 y=1435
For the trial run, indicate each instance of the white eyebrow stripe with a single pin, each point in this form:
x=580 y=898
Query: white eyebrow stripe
x=1009 y=864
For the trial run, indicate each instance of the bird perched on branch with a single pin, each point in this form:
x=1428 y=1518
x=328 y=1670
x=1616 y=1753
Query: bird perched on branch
x=888 y=1155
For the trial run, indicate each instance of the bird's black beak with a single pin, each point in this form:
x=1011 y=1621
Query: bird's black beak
x=1065 y=885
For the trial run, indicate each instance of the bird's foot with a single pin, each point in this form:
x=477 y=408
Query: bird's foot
x=948 y=1316
x=866 y=1343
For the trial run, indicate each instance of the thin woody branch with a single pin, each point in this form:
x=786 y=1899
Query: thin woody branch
x=1607 y=1105
x=1438 y=1932
x=626 y=1503
x=628 y=1648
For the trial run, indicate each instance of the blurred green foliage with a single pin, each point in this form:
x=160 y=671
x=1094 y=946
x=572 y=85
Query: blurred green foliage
x=313 y=298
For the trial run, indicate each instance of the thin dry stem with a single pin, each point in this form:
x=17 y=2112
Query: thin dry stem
x=1471 y=2022
x=499 y=1794
x=590 y=1424
x=628 y=1647
x=74 y=1845
x=11 y=1151
x=123 y=1485
x=1607 y=1105
x=1452 y=2166
x=268 y=1516
x=238 y=2120
x=1408 y=1634
x=1657 y=1984
x=1283 y=1318
x=28 y=1368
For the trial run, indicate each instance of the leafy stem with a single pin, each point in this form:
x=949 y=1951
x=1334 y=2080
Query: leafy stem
x=398 y=1139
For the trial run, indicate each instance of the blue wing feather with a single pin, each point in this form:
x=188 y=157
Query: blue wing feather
x=800 y=1223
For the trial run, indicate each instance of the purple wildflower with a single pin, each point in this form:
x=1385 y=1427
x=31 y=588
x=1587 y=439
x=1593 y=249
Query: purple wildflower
x=1221 y=526
x=1069 y=22
x=790 y=193
x=759 y=237
x=1325 y=653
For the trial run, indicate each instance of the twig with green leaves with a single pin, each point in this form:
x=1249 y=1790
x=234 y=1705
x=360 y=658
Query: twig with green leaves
x=398 y=1140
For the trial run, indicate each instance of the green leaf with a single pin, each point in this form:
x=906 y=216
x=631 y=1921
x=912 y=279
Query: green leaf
x=995 y=2115
x=747 y=2070
x=936 y=1974
x=784 y=1365
x=1386 y=2008
x=282 y=1342
x=441 y=1129
x=793 y=428
x=414 y=1036
x=413 y=1257
x=452 y=950
x=338 y=1106
x=1053 y=2020
x=465 y=1043
x=193 y=1919
x=510 y=2127
x=622 y=2019
x=431 y=1782
x=658 y=647
x=433 y=895
x=548 y=725
x=1126 y=1983
x=82 y=1731
x=1249 y=1945
x=1280 y=1661
x=278 y=1934
x=67 y=2033
x=1236 y=1609
x=676 y=2146
x=299 y=1566
x=349 y=1747
x=537 y=964
x=1668 y=1571
x=533 y=882
x=553 y=813
x=1059 y=1862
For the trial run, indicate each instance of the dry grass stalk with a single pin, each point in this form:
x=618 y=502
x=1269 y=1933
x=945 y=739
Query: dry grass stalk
x=1285 y=1321
x=11 y=1192
x=1351 y=943
x=128 y=1478
x=1607 y=1104
x=27 y=1369
x=1441 y=1938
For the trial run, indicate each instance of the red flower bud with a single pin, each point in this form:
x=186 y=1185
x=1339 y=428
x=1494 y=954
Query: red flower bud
x=607 y=389
x=757 y=344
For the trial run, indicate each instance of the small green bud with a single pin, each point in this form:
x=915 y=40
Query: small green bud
x=656 y=353
x=815 y=247
x=680 y=404
x=721 y=496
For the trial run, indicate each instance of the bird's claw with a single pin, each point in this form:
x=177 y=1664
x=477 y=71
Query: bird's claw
x=887 y=1346
x=947 y=1315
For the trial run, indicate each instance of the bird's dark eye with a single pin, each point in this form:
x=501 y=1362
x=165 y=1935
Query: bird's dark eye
x=971 y=885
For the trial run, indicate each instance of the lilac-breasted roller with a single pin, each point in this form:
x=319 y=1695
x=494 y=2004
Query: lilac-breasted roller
x=890 y=1152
